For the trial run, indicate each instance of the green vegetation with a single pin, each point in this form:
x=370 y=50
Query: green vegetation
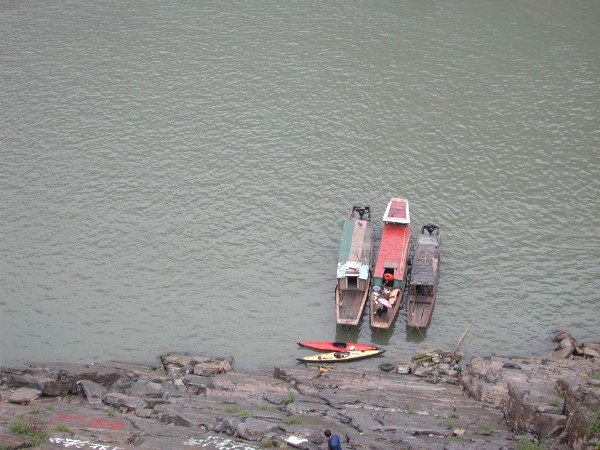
x=449 y=418
x=289 y=399
x=555 y=401
x=64 y=428
x=35 y=411
x=241 y=412
x=49 y=407
x=526 y=444
x=594 y=428
x=487 y=427
x=266 y=408
x=111 y=411
x=35 y=430
x=292 y=420
x=596 y=376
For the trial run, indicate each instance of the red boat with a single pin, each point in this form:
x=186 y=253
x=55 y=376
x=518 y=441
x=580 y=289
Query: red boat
x=389 y=276
x=337 y=346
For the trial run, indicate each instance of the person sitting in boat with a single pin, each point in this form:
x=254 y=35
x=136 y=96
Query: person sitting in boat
x=430 y=227
x=381 y=309
x=387 y=278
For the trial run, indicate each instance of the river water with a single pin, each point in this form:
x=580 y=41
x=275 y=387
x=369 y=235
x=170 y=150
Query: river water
x=174 y=175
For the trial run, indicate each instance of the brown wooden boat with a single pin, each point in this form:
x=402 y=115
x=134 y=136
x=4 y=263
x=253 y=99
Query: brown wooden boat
x=424 y=277
x=354 y=266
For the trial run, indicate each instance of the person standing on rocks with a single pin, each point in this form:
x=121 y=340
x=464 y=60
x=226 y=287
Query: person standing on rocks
x=333 y=441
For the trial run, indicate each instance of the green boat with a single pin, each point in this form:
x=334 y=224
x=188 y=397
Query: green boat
x=354 y=266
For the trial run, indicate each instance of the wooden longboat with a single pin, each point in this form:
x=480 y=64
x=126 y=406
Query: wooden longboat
x=424 y=277
x=390 y=272
x=354 y=266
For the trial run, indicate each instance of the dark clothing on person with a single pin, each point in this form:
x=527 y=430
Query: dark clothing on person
x=381 y=309
x=430 y=227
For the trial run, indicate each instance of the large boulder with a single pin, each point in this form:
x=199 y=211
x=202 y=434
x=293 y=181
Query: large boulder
x=43 y=379
x=582 y=406
x=56 y=379
x=566 y=346
x=552 y=398
x=123 y=401
x=92 y=391
x=255 y=429
x=536 y=411
x=24 y=395
x=487 y=379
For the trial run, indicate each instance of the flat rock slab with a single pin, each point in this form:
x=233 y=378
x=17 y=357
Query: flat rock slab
x=24 y=395
x=125 y=406
x=399 y=411
x=369 y=409
x=487 y=379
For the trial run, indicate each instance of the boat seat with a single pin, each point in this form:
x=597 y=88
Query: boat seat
x=424 y=302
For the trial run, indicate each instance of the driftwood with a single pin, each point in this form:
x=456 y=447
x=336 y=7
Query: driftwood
x=462 y=338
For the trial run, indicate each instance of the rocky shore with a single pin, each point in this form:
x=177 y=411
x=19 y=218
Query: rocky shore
x=198 y=402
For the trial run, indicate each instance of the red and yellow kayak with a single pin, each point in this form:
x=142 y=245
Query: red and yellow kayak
x=337 y=346
x=334 y=357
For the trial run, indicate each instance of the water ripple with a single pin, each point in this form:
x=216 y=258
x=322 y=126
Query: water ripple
x=175 y=177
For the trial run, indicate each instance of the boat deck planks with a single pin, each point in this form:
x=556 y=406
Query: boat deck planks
x=354 y=266
x=424 y=278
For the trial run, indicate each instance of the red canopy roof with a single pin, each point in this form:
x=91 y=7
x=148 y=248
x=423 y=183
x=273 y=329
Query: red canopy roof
x=393 y=249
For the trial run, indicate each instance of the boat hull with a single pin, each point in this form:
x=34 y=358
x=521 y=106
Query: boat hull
x=354 y=266
x=386 y=318
x=424 y=278
x=337 y=346
x=338 y=357
x=419 y=310
x=350 y=305
x=391 y=266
